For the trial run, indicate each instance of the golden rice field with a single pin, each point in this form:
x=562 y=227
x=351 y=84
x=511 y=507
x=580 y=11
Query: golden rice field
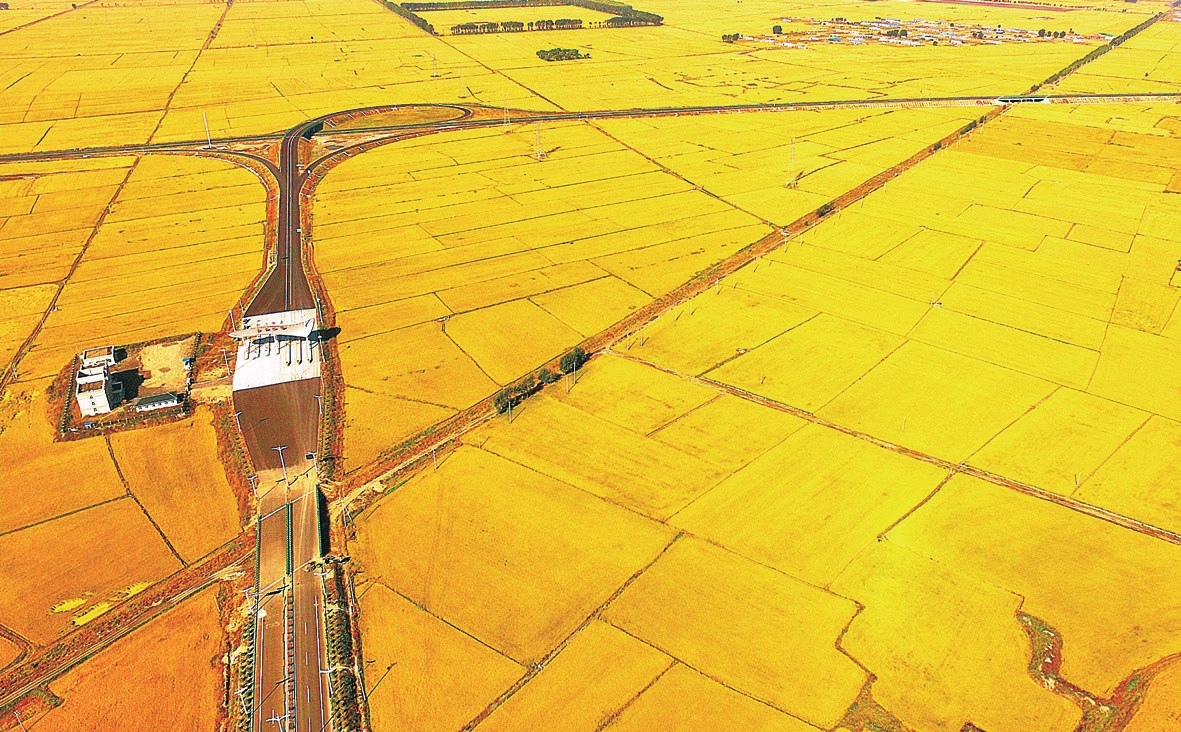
x=166 y=68
x=842 y=489
x=180 y=240
x=167 y=674
x=458 y=264
x=855 y=462
x=1145 y=64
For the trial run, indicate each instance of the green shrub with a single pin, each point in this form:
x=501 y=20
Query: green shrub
x=573 y=360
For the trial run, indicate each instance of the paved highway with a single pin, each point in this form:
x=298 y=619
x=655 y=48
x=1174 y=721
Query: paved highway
x=495 y=117
x=290 y=692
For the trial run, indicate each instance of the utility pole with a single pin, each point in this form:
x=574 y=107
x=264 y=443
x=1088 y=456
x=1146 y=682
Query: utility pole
x=208 y=139
x=238 y=421
x=319 y=405
x=282 y=462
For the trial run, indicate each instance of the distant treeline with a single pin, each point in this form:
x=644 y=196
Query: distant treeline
x=1097 y=52
x=623 y=16
x=561 y=54
x=516 y=26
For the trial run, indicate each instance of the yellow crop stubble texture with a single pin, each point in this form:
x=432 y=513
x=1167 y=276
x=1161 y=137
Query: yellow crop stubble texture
x=633 y=395
x=1053 y=556
x=1060 y=442
x=22 y=308
x=165 y=675
x=935 y=401
x=811 y=503
x=160 y=264
x=593 y=306
x=1012 y=348
x=47 y=478
x=1140 y=479
x=420 y=363
x=713 y=327
x=688 y=701
x=173 y=470
x=100 y=75
x=622 y=466
x=439 y=677
x=729 y=431
x=946 y=648
x=90 y=554
x=748 y=626
x=510 y=339
x=1140 y=369
x=510 y=556
x=600 y=671
x=810 y=364
x=780 y=166
x=375 y=422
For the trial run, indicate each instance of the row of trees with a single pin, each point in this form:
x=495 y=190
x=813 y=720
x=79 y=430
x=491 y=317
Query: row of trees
x=410 y=15
x=622 y=15
x=512 y=395
x=515 y=26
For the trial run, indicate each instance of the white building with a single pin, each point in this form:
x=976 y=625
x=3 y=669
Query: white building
x=97 y=393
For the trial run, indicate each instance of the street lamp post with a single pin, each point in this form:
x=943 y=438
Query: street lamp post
x=282 y=462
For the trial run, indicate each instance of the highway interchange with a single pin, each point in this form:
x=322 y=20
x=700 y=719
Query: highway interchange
x=290 y=688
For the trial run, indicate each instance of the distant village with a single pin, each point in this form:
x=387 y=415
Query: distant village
x=890 y=31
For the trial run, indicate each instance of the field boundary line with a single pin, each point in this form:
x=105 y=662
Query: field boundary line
x=595 y=614
x=167 y=107
x=132 y=496
x=713 y=678
x=65 y=515
x=58 y=14
x=10 y=373
x=1086 y=509
x=611 y=718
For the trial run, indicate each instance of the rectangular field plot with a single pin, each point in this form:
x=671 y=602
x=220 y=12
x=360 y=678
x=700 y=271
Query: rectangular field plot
x=810 y=504
x=597 y=674
x=48 y=478
x=510 y=556
x=1071 y=434
x=440 y=677
x=182 y=241
x=166 y=674
x=946 y=647
x=936 y=401
x=754 y=629
x=187 y=494
x=1139 y=478
x=684 y=699
x=1049 y=555
x=60 y=574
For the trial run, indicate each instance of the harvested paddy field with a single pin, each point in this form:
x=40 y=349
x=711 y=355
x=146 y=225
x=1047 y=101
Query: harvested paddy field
x=457 y=265
x=181 y=239
x=187 y=494
x=899 y=434
x=166 y=675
